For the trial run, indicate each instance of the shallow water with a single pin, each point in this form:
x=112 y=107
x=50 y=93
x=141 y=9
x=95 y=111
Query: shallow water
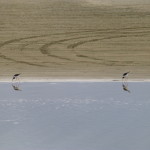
x=75 y=116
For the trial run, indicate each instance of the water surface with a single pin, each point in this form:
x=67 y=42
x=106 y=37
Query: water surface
x=75 y=116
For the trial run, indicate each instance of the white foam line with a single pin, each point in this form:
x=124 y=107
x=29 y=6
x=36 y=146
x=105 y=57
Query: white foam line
x=74 y=80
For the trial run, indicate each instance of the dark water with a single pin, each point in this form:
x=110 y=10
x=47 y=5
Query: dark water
x=75 y=116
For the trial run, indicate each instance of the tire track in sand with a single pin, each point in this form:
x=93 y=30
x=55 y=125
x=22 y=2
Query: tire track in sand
x=44 y=49
x=32 y=37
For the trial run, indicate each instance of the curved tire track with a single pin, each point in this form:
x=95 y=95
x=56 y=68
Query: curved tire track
x=105 y=38
x=123 y=32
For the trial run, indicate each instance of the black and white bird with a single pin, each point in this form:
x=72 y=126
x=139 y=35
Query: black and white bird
x=15 y=76
x=125 y=75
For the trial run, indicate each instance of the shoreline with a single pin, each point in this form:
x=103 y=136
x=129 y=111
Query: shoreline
x=73 y=80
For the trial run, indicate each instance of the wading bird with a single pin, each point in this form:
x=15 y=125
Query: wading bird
x=15 y=77
x=125 y=75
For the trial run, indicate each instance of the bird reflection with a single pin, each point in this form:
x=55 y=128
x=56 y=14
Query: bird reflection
x=16 y=86
x=125 y=87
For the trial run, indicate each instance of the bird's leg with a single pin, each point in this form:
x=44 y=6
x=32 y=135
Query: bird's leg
x=127 y=78
x=17 y=83
x=126 y=83
x=17 y=79
x=123 y=80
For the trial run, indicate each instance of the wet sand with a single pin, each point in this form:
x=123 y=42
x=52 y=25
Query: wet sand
x=56 y=39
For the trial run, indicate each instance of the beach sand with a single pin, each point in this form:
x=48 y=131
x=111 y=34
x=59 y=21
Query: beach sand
x=83 y=39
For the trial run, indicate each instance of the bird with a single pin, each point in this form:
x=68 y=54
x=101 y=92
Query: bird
x=125 y=75
x=15 y=76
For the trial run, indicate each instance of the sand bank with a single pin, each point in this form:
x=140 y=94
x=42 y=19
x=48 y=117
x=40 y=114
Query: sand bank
x=69 y=40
